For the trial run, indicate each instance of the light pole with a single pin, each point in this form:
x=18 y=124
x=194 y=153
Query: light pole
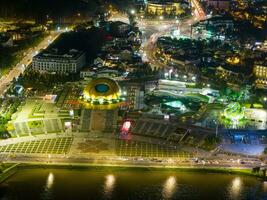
x=190 y=30
x=217 y=126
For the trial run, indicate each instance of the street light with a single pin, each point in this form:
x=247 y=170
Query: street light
x=166 y=74
x=132 y=11
x=161 y=17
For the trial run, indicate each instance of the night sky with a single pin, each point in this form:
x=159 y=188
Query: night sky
x=41 y=8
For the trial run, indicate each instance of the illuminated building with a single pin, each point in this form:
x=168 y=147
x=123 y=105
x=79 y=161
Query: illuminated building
x=227 y=74
x=102 y=91
x=102 y=97
x=260 y=73
x=164 y=8
x=216 y=25
x=233 y=60
x=219 y=4
x=53 y=61
x=135 y=95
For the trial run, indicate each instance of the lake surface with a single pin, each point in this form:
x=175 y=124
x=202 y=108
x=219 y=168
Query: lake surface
x=47 y=184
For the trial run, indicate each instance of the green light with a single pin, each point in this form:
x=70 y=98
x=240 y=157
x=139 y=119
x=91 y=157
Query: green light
x=174 y=104
x=234 y=112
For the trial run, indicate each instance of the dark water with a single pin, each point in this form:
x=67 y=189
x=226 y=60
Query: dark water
x=90 y=185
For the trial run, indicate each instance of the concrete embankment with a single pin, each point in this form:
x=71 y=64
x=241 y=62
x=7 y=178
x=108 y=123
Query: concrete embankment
x=115 y=168
x=7 y=173
x=112 y=167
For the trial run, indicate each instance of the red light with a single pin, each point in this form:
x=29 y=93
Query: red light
x=126 y=126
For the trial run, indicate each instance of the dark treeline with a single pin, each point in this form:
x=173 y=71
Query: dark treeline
x=55 y=9
x=89 y=41
x=41 y=9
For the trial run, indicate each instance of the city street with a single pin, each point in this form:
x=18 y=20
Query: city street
x=26 y=61
x=227 y=162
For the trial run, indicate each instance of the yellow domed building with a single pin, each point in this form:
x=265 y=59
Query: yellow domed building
x=102 y=90
x=101 y=100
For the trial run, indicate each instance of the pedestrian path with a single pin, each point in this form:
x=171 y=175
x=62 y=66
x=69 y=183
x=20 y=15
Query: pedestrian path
x=59 y=145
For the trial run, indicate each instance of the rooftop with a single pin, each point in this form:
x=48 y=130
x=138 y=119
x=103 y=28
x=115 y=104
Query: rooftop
x=53 y=53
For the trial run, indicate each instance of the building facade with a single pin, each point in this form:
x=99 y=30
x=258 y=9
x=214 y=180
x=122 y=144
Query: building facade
x=260 y=73
x=52 y=61
x=217 y=25
x=164 y=8
x=134 y=94
x=219 y=4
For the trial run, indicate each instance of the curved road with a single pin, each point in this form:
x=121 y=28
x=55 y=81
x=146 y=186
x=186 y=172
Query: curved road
x=163 y=27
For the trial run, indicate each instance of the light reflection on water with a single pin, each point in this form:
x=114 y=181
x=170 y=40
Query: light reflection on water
x=109 y=185
x=84 y=185
x=169 y=187
x=50 y=180
x=235 y=188
x=48 y=189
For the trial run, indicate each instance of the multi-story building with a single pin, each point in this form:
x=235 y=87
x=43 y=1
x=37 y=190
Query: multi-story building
x=228 y=75
x=135 y=95
x=52 y=61
x=165 y=7
x=219 y=4
x=260 y=73
x=217 y=25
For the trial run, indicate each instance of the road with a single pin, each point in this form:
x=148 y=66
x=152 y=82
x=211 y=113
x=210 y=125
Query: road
x=229 y=163
x=25 y=61
x=152 y=31
x=198 y=12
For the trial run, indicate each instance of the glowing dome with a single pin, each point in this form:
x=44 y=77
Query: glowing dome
x=102 y=90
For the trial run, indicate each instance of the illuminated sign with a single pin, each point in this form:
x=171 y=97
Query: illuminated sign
x=125 y=130
x=126 y=126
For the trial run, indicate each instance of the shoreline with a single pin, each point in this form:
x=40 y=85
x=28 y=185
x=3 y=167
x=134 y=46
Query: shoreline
x=122 y=168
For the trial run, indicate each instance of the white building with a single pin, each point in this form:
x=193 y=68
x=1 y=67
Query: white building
x=135 y=95
x=52 y=61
